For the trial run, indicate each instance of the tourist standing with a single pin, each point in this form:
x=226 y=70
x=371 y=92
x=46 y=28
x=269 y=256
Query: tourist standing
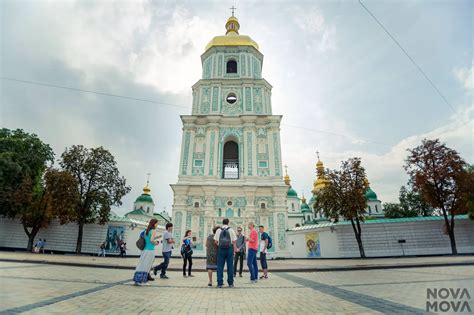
x=123 y=250
x=252 y=253
x=102 y=249
x=211 y=252
x=42 y=246
x=240 y=253
x=37 y=246
x=187 y=252
x=148 y=254
x=263 y=251
x=225 y=239
x=168 y=242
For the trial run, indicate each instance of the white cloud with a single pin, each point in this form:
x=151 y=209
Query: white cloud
x=464 y=75
x=318 y=31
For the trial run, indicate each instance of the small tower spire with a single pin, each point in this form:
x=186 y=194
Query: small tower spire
x=233 y=8
x=146 y=189
x=286 y=178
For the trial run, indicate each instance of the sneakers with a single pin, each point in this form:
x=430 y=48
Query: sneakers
x=219 y=286
x=191 y=276
x=163 y=277
x=264 y=277
x=150 y=278
x=209 y=284
x=240 y=275
x=155 y=271
x=231 y=286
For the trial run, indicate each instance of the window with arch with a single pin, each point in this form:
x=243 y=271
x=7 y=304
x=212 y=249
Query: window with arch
x=263 y=205
x=308 y=218
x=370 y=210
x=376 y=208
x=293 y=207
x=230 y=161
x=238 y=212
x=196 y=204
x=219 y=212
x=148 y=209
x=231 y=66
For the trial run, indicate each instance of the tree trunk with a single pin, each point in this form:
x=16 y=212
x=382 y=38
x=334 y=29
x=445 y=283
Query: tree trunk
x=358 y=233
x=450 y=229
x=79 y=238
x=451 y=236
x=31 y=236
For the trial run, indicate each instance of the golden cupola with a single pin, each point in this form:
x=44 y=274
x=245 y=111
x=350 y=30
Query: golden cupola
x=232 y=36
x=321 y=180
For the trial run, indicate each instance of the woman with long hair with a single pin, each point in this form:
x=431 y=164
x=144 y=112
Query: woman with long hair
x=211 y=259
x=148 y=254
x=187 y=252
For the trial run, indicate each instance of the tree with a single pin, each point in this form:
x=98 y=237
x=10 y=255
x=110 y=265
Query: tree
x=439 y=174
x=99 y=183
x=23 y=161
x=412 y=202
x=37 y=206
x=470 y=193
x=395 y=210
x=344 y=196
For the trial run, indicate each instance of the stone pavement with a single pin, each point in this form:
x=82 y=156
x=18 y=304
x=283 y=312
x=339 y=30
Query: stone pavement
x=44 y=289
x=287 y=265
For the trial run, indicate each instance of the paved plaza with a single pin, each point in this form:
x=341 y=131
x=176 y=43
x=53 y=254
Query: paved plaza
x=33 y=288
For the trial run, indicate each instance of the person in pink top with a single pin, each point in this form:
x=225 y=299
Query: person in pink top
x=252 y=242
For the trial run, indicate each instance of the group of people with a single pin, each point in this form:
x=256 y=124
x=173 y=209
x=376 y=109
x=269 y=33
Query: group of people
x=223 y=247
x=122 y=247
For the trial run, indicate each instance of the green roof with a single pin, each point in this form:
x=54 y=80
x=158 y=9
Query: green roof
x=138 y=212
x=305 y=207
x=382 y=220
x=162 y=217
x=370 y=195
x=144 y=198
x=292 y=193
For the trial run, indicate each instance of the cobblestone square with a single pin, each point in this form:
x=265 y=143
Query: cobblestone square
x=43 y=289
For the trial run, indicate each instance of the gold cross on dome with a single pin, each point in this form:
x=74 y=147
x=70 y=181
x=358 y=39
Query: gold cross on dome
x=148 y=178
x=233 y=8
x=317 y=153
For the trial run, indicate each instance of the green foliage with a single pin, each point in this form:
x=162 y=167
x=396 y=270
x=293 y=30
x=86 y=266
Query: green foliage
x=395 y=210
x=99 y=183
x=343 y=196
x=412 y=202
x=440 y=175
x=23 y=156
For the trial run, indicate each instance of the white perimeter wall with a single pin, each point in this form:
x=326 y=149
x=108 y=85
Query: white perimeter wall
x=64 y=237
x=381 y=239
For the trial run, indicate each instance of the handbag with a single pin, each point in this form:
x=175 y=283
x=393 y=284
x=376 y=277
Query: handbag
x=141 y=241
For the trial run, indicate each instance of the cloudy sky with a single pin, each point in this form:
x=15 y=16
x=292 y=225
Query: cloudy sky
x=336 y=75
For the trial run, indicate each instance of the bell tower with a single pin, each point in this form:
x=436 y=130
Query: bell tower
x=230 y=163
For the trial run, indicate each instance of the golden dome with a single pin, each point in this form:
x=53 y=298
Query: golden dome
x=146 y=190
x=232 y=37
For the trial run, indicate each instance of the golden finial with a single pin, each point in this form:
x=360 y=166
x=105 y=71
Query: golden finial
x=146 y=189
x=303 y=199
x=233 y=8
x=232 y=25
x=286 y=178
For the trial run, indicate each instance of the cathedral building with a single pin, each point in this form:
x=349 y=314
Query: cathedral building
x=230 y=163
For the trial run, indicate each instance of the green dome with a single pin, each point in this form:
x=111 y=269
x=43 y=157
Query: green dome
x=291 y=193
x=144 y=198
x=370 y=195
x=312 y=200
x=305 y=207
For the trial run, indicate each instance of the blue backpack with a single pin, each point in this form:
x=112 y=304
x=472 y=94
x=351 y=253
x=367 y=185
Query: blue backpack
x=270 y=242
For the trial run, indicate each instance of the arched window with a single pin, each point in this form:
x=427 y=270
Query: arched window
x=376 y=208
x=231 y=160
x=262 y=205
x=229 y=213
x=370 y=210
x=196 y=204
x=231 y=66
x=293 y=206
x=308 y=218
x=148 y=209
x=238 y=212
x=219 y=212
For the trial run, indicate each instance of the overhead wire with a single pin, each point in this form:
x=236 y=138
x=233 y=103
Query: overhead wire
x=408 y=55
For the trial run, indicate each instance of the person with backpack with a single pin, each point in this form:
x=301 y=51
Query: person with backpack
x=265 y=244
x=147 y=256
x=187 y=252
x=225 y=238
